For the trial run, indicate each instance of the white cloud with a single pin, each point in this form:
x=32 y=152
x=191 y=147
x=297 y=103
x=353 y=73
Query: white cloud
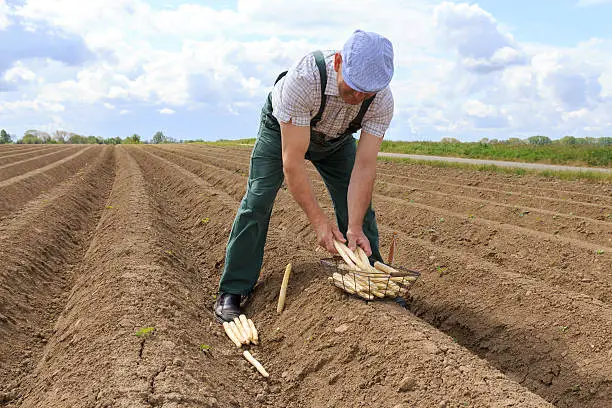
x=124 y=112
x=167 y=111
x=29 y=105
x=4 y=15
x=476 y=37
x=19 y=73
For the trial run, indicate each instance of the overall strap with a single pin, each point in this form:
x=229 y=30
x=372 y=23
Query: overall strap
x=320 y=60
x=282 y=74
x=355 y=124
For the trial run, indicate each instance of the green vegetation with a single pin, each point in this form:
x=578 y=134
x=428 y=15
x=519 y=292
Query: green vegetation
x=536 y=149
x=225 y=142
x=145 y=331
x=134 y=139
x=5 y=137
x=563 y=174
x=159 y=138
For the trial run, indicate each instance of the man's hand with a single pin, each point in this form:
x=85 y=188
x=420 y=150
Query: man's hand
x=356 y=238
x=327 y=231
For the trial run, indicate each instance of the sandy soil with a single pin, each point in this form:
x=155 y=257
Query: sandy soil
x=96 y=243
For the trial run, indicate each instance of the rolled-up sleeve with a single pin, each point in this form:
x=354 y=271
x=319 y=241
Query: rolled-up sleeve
x=378 y=118
x=293 y=97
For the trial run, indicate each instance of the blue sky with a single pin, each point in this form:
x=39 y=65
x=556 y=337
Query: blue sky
x=202 y=69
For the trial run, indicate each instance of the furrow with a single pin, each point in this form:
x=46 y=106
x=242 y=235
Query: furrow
x=12 y=158
x=9 y=171
x=18 y=191
x=39 y=249
x=23 y=174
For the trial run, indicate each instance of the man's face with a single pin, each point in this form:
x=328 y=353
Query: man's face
x=348 y=95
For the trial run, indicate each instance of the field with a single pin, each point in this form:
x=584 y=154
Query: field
x=586 y=155
x=110 y=259
x=554 y=153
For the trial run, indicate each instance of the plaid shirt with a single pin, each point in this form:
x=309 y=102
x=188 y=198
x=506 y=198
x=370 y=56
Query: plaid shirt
x=297 y=97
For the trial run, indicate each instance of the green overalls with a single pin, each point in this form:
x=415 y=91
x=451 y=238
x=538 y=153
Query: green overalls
x=333 y=160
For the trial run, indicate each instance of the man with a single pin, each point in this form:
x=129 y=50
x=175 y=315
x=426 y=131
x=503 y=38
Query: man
x=312 y=113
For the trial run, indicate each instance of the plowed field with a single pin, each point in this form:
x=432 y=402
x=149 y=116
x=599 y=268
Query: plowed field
x=513 y=308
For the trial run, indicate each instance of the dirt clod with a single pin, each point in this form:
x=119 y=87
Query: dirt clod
x=342 y=328
x=407 y=384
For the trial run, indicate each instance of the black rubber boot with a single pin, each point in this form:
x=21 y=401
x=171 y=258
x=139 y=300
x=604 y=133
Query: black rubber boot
x=227 y=307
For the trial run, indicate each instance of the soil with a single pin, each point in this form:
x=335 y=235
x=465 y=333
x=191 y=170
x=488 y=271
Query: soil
x=110 y=259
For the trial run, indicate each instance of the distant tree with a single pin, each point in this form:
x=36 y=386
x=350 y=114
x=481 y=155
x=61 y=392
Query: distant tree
x=493 y=141
x=159 y=137
x=60 y=136
x=484 y=140
x=567 y=140
x=449 y=140
x=112 y=140
x=45 y=137
x=605 y=141
x=4 y=137
x=134 y=139
x=539 y=140
x=76 y=139
x=515 y=141
x=29 y=138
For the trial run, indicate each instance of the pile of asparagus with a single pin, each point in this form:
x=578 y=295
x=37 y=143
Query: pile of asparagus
x=242 y=331
x=365 y=280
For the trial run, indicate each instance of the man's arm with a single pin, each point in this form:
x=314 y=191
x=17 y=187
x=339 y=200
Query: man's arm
x=295 y=141
x=360 y=189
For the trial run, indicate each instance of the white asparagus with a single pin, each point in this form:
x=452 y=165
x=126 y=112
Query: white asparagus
x=283 y=290
x=348 y=285
x=241 y=329
x=237 y=332
x=345 y=267
x=360 y=289
x=380 y=285
x=351 y=254
x=386 y=268
x=231 y=334
x=255 y=363
x=369 y=286
x=340 y=248
x=364 y=259
x=245 y=326
x=253 y=331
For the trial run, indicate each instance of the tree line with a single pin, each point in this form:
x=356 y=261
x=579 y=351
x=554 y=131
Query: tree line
x=34 y=136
